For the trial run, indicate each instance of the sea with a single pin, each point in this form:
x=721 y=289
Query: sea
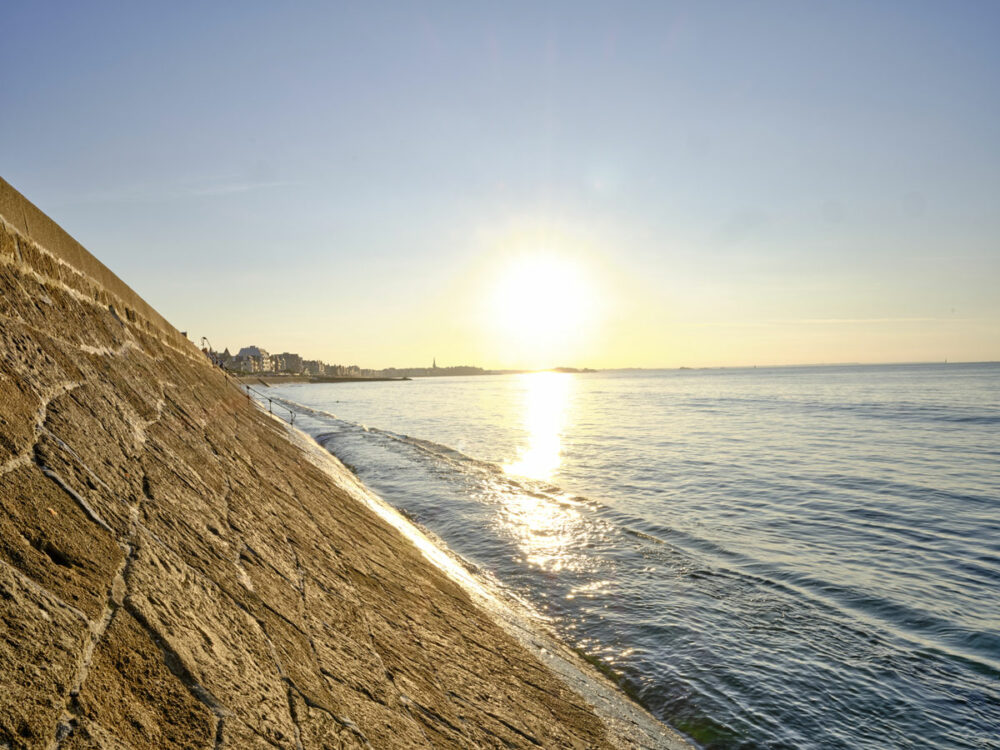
x=795 y=557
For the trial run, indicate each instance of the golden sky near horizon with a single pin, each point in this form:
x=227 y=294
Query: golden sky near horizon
x=537 y=295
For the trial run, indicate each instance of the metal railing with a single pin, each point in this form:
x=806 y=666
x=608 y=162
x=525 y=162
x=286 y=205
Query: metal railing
x=245 y=388
x=270 y=403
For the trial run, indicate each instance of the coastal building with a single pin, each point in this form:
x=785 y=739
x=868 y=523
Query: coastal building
x=253 y=359
x=287 y=362
x=314 y=367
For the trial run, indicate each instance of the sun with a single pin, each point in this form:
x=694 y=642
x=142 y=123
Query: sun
x=541 y=305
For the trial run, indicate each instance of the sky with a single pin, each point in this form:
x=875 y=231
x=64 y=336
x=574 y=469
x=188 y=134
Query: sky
x=527 y=185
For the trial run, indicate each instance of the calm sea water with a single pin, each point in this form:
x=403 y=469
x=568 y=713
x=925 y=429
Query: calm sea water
x=774 y=558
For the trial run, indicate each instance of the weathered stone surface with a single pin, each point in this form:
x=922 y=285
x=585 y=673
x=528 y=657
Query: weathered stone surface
x=319 y=728
x=130 y=688
x=90 y=735
x=237 y=735
x=18 y=406
x=8 y=243
x=41 y=641
x=218 y=646
x=46 y=535
x=175 y=573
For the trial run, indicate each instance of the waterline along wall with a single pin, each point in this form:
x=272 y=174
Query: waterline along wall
x=175 y=573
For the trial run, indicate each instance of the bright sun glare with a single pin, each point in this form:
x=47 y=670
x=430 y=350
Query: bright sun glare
x=546 y=399
x=540 y=304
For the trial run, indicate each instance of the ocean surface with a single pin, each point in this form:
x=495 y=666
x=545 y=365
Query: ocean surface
x=764 y=558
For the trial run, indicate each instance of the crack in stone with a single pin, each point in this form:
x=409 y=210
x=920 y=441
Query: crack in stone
x=67 y=723
x=300 y=571
x=86 y=348
x=295 y=719
x=499 y=719
x=175 y=664
x=91 y=513
x=116 y=599
x=28 y=455
x=50 y=395
x=403 y=699
x=60 y=443
x=45 y=593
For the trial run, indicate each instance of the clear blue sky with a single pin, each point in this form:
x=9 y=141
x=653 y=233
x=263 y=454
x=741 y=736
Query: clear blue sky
x=737 y=183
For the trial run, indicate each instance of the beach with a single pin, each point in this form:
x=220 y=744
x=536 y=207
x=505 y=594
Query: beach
x=176 y=571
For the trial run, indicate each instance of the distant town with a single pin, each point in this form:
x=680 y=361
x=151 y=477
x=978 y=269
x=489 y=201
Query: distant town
x=253 y=360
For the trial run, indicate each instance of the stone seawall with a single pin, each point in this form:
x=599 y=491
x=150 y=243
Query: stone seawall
x=39 y=231
x=174 y=573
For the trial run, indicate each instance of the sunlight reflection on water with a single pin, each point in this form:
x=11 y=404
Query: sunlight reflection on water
x=547 y=531
x=544 y=527
x=545 y=400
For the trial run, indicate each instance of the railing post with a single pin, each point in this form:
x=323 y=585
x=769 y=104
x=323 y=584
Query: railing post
x=270 y=403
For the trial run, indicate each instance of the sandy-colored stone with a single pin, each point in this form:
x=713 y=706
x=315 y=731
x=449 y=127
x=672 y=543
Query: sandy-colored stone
x=85 y=734
x=235 y=735
x=45 y=534
x=218 y=645
x=8 y=243
x=40 y=644
x=130 y=688
x=18 y=407
x=320 y=728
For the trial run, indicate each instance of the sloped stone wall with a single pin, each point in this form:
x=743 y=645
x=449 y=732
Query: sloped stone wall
x=66 y=259
x=173 y=573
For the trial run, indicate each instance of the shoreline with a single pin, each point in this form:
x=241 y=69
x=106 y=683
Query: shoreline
x=630 y=723
x=269 y=380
